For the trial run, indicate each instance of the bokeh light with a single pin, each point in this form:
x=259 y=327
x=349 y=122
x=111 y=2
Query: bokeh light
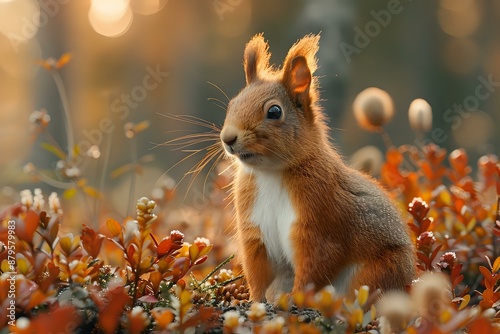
x=460 y=55
x=147 y=7
x=110 y=18
x=19 y=20
x=460 y=19
x=475 y=131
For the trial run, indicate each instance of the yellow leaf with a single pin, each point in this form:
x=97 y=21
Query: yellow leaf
x=69 y=193
x=471 y=224
x=496 y=265
x=146 y=263
x=357 y=316
x=193 y=252
x=141 y=126
x=465 y=301
x=114 y=227
x=185 y=297
x=92 y=192
x=205 y=250
x=445 y=316
x=283 y=302
x=299 y=298
x=5 y=266
x=363 y=295
x=121 y=170
x=23 y=265
x=445 y=197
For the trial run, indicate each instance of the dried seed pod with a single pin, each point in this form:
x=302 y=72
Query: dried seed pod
x=420 y=115
x=373 y=108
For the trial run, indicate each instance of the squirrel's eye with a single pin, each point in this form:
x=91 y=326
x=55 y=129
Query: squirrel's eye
x=274 y=112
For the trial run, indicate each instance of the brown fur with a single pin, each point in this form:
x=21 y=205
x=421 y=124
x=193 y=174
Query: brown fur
x=343 y=217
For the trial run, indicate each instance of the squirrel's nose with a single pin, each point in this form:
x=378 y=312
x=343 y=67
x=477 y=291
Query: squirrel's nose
x=229 y=135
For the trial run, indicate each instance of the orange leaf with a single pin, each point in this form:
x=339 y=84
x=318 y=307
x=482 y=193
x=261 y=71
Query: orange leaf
x=65 y=58
x=163 y=317
x=64 y=319
x=114 y=227
x=480 y=326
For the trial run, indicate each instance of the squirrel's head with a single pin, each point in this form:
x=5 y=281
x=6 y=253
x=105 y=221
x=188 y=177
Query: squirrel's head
x=275 y=121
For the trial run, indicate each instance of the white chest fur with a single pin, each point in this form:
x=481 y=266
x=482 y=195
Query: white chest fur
x=274 y=214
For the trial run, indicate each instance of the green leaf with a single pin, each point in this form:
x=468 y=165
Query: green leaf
x=121 y=170
x=54 y=150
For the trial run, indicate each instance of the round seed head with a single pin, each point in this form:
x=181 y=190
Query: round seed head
x=420 y=115
x=373 y=108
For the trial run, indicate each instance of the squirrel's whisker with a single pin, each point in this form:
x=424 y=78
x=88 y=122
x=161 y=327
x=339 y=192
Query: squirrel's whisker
x=219 y=89
x=214 y=99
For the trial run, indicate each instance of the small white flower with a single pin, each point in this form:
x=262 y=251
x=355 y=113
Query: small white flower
x=131 y=230
x=38 y=200
x=200 y=241
x=257 y=311
x=23 y=323
x=232 y=319
x=54 y=203
x=26 y=198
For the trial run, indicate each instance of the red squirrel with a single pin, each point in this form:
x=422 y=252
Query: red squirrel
x=303 y=216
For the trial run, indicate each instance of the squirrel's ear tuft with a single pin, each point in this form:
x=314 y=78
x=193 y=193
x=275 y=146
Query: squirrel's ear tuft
x=306 y=47
x=299 y=65
x=256 y=58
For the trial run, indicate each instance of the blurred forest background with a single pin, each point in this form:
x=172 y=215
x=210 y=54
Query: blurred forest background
x=444 y=51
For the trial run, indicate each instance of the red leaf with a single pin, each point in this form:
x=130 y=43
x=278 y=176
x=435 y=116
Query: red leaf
x=181 y=266
x=25 y=228
x=456 y=271
x=201 y=260
x=457 y=280
x=434 y=253
x=164 y=247
x=110 y=315
x=91 y=241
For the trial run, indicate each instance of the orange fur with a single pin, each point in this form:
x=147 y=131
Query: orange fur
x=345 y=226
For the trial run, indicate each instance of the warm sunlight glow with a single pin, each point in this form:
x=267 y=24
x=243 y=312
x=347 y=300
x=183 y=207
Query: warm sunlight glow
x=110 y=18
x=17 y=29
x=459 y=21
x=147 y=7
x=109 y=10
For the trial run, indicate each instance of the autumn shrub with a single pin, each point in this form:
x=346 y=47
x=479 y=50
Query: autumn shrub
x=142 y=275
